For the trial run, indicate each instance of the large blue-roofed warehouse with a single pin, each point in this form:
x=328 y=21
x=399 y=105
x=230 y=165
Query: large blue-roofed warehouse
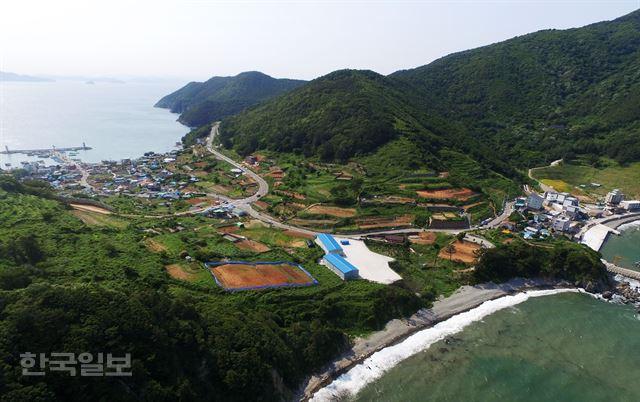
x=340 y=266
x=329 y=244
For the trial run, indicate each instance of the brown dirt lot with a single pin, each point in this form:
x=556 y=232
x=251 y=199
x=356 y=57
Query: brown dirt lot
x=90 y=208
x=228 y=229
x=301 y=235
x=425 y=238
x=236 y=276
x=465 y=252
x=461 y=194
x=177 y=271
x=332 y=211
x=261 y=205
x=252 y=245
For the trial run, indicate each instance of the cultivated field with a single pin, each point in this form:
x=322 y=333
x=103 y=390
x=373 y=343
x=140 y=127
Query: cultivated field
x=460 y=194
x=243 y=276
x=425 y=238
x=332 y=211
x=252 y=245
x=568 y=177
x=465 y=252
x=384 y=222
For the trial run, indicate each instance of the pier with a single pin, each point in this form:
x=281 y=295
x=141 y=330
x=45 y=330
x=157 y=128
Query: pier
x=629 y=273
x=8 y=151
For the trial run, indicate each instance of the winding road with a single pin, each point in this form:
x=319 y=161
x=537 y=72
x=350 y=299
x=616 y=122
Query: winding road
x=263 y=189
x=543 y=186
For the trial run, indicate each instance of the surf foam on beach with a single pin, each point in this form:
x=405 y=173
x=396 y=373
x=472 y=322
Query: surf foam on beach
x=372 y=368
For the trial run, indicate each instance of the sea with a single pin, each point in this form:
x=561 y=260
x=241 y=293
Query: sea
x=542 y=347
x=624 y=250
x=117 y=120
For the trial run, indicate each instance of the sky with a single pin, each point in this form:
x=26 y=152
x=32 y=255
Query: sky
x=197 y=39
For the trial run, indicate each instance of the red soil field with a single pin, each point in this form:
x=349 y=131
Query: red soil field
x=461 y=194
x=238 y=276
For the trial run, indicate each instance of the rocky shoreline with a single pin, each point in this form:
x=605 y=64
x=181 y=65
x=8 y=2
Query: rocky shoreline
x=623 y=293
x=396 y=331
x=464 y=299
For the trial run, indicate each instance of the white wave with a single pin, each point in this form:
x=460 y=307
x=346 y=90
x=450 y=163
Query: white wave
x=634 y=284
x=378 y=363
x=629 y=225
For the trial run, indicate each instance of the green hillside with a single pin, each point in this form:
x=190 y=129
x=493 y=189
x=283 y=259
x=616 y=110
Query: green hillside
x=545 y=95
x=514 y=104
x=203 y=102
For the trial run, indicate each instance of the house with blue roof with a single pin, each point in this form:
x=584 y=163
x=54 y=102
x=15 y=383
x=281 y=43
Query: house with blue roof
x=341 y=267
x=329 y=244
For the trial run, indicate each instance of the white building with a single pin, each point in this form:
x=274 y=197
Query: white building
x=630 y=205
x=534 y=201
x=561 y=224
x=614 y=197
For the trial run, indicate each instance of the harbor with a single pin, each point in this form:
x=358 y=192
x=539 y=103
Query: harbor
x=45 y=151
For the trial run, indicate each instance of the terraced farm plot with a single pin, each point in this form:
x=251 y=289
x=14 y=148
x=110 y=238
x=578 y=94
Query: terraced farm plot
x=246 y=275
x=251 y=245
x=460 y=194
x=384 y=222
x=332 y=211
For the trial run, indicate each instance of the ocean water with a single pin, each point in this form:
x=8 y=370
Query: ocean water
x=117 y=120
x=624 y=250
x=564 y=347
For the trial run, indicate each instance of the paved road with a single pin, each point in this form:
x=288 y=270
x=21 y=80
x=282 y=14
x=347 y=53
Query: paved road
x=263 y=189
x=85 y=173
x=543 y=186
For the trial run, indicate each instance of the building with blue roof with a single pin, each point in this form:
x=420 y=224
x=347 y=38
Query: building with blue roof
x=329 y=244
x=341 y=267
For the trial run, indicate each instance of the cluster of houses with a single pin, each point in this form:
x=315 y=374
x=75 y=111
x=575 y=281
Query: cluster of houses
x=145 y=177
x=64 y=176
x=562 y=213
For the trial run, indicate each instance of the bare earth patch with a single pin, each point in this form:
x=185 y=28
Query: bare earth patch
x=239 y=276
x=90 y=208
x=424 y=238
x=177 y=271
x=301 y=235
x=252 y=245
x=465 y=252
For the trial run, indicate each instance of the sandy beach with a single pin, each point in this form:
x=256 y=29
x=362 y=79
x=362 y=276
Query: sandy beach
x=464 y=299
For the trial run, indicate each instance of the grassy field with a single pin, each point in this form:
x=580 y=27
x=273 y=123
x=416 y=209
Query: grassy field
x=568 y=177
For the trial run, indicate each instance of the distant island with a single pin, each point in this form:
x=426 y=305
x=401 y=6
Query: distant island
x=6 y=76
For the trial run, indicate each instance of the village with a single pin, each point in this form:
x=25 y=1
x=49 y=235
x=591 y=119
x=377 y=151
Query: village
x=539 y=216
x=193 y=182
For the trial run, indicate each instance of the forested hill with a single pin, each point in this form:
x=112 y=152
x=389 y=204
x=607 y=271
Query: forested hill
x=521 y=102
x=202 y=102
x=546 y=94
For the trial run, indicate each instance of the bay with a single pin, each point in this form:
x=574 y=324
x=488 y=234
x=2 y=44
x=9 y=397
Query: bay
x=117 y=120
